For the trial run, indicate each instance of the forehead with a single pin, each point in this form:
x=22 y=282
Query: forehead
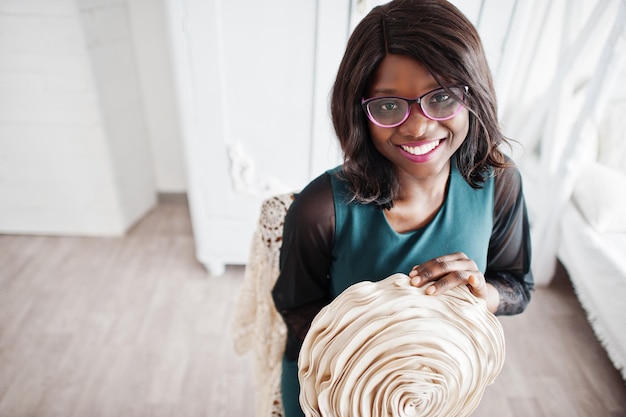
x=400 y=74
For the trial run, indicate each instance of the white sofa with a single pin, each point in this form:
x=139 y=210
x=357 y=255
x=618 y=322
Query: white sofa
x=592 y=241
x=592 y=248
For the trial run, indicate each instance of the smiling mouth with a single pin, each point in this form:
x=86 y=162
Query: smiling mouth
x=422 y=149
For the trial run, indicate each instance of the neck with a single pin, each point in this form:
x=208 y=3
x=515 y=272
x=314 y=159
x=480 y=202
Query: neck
x=420 y=201
x=423 y=188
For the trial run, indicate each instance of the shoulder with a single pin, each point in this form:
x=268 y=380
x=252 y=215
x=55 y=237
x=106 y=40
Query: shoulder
x=508 y=190
x=314 y=203
x=319 y=191
x=508 y=180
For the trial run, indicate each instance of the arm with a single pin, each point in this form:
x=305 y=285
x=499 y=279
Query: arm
x=508 y=259
x=301 y=289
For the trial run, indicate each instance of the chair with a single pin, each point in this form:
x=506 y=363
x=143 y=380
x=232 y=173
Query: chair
x=257 y=326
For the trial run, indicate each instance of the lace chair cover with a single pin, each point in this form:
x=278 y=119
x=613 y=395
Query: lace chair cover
x=257 y=326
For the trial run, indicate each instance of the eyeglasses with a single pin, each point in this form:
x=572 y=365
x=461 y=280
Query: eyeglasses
x=438 y=104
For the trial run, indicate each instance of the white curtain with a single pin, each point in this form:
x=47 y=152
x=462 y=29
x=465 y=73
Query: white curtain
x=560 y=62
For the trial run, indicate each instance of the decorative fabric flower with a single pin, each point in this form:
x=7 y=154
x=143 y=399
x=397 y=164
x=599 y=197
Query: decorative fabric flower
x=387 y=349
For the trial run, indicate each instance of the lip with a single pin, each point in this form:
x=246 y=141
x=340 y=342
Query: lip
x=422 y=157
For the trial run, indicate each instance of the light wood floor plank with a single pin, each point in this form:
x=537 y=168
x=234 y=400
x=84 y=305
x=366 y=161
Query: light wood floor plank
x=134 y=326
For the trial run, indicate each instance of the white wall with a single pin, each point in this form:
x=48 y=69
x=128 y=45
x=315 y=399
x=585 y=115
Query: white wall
x=154 y=63
x=74 y=150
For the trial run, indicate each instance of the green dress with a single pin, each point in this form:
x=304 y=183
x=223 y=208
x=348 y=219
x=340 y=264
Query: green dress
x=367 y=248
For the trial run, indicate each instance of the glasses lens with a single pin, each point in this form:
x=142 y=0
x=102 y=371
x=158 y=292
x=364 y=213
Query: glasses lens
x=388 y=111
x=442 y=105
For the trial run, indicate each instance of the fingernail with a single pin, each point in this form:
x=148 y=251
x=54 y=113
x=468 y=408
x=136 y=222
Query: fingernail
x=431 y=290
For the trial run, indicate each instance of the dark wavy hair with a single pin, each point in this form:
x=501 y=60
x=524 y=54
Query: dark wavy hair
x=436 y=34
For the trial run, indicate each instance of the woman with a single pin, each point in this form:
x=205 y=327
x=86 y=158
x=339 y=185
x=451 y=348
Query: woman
x=423 y=189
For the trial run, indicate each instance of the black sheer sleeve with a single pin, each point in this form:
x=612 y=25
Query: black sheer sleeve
x=301 y=289
x=508 y=260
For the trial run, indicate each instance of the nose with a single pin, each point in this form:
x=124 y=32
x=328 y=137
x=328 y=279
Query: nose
x=416 y=124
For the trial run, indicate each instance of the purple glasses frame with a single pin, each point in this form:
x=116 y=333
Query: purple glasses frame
x=365 y=103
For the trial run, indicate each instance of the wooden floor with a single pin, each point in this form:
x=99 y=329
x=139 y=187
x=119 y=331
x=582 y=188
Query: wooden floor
x=133 y=326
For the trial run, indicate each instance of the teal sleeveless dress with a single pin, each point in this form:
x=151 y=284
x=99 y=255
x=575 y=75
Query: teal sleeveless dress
x=367 y=248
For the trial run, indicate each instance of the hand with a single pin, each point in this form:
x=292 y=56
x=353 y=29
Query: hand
x=449 y=271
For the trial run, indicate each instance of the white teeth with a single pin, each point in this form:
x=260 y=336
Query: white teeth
x=422 y=149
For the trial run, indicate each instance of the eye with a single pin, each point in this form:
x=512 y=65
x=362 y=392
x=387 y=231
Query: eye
x=440 y=97
x=387 y=105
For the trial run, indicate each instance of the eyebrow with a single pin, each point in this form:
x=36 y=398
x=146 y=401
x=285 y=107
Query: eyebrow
x=384 y=91
x=393 y=92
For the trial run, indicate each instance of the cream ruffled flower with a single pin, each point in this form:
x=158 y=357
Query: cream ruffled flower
x=387 y=349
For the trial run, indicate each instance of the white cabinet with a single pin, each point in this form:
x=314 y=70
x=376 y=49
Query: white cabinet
x=253 y=80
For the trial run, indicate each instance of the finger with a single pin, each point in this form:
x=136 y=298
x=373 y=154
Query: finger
x=477 y=285
x=449 y=281
x=415 y=281
x=439 y=267
x=439 y=263
x=474 y=281
x=414 y=278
